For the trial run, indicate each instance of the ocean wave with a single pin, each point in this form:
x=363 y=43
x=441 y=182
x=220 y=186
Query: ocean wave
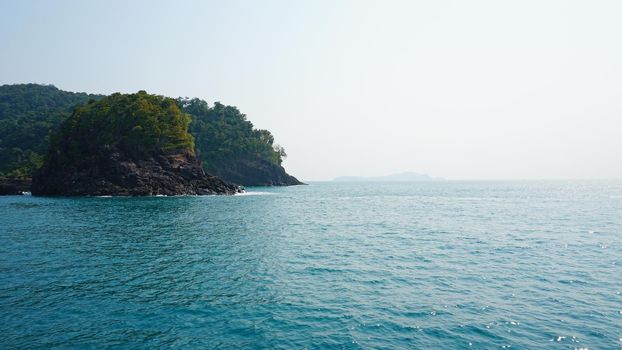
x=254 y=193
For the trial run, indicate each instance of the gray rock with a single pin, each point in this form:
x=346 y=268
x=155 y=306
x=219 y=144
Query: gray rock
x=13 y=187
x=118 y=174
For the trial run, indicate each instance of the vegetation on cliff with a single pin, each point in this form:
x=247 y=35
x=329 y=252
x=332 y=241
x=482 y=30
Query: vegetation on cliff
x=125 y=144
x=134 y=123
x=226 y=142
x=29 y=113
x=230 y=147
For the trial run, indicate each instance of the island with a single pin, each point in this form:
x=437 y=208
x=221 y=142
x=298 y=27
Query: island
x=401 y=177
x=226 y=143
x=129 y=145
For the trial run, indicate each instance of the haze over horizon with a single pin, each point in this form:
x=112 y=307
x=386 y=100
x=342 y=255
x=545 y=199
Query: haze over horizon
x=477 y=90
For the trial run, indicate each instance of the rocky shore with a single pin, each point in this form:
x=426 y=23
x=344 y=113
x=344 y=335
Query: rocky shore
x=117 y=174
x=255 y=173
x=12 y=187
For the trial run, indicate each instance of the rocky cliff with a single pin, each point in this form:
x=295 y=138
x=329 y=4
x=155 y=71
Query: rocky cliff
x=12 y=187
x=118 y=174
x=256 y=172
x=232 y=148
x=225 y=141
x=125 y=145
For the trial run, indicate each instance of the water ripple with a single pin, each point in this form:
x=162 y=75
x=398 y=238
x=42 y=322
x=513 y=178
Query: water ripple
x=451 y=265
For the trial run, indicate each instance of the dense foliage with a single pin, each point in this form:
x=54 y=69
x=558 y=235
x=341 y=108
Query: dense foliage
x=223 y=136
x=29 y=113
x=133 y=123
x=226 y=142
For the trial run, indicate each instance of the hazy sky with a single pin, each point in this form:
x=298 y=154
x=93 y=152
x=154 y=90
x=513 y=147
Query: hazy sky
x=458 y=89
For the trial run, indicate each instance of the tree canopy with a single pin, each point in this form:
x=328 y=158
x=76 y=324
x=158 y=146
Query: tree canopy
x=223 y=135
x=29 y=113
x=135 y=123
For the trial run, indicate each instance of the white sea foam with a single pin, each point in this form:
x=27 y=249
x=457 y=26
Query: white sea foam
x=258 y=193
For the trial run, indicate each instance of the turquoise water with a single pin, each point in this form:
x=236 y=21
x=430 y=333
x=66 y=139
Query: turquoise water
x=447 y=265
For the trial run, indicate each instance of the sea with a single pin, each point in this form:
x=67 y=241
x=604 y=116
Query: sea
x=330 y=265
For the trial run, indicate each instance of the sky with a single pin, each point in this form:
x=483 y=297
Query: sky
x=456 y=89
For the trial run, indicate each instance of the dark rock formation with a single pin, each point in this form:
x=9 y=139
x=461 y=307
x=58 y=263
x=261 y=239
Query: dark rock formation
x=125 y=145
x=116 y=174
x=11 y=187
x=254 y=173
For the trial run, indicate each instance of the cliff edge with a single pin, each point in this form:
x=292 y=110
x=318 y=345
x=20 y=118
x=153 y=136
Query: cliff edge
x=126 y=145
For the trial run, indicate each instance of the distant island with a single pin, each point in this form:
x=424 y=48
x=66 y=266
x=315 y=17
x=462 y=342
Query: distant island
x=59 y=136
x=401 y=177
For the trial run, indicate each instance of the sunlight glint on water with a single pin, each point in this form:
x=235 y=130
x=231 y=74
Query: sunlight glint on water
x=449 y=265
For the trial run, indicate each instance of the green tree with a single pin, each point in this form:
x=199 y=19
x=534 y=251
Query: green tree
x=224 y=136
x=134 y=123
x=29 y=113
